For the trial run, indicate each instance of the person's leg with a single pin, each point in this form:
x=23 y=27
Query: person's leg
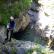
x=11 y=34
x=7 y=34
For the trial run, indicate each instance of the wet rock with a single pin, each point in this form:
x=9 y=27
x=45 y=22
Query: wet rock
x=20 y=51
x=16 y=46
x=34 y=7
x=2 y=34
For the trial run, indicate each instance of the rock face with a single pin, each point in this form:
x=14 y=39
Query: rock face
x=22 y=22
x=2 y=34
x=15 y=46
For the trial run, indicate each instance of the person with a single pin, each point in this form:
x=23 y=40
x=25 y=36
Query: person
x=10 y=28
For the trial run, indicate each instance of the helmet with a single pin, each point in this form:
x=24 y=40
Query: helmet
x=12 y=18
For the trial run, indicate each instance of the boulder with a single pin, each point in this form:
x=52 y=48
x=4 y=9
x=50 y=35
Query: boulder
x=22 y=22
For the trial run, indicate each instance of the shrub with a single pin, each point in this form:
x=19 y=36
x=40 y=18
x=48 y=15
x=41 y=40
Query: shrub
x=13 y=7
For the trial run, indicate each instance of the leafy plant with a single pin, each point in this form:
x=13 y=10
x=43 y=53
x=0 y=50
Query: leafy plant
x=13 y=7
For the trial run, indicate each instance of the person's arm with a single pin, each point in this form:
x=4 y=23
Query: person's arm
x=14 y=25
x=8 y=25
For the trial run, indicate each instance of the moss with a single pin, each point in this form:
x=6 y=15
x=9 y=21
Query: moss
x=13 y=51
x=29 y=51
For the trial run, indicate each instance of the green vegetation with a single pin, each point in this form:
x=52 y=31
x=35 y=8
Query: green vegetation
x=40 y=50
x=13 y=7
x=13 y=51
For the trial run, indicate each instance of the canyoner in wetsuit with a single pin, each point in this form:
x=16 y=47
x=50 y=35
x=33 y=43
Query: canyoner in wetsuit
x=10 y=28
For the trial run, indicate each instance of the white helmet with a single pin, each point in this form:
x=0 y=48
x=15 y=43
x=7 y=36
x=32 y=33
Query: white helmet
x=12 y=18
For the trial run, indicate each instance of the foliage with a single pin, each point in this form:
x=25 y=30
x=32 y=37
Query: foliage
x=40 y=50
x=13 y=51
x=13 y=7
